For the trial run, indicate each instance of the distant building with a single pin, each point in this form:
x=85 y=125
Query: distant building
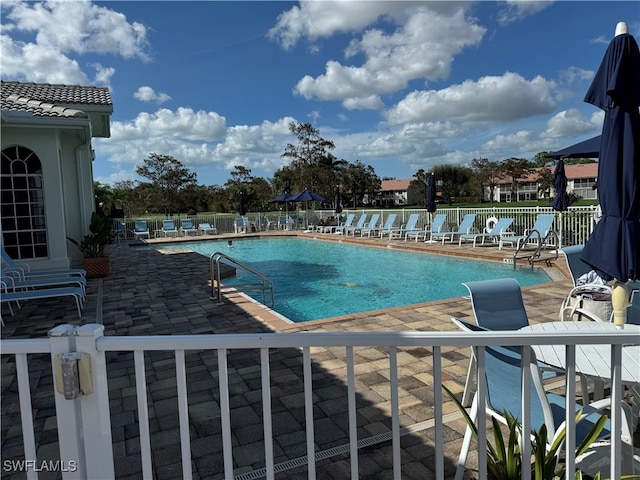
x=393 y=193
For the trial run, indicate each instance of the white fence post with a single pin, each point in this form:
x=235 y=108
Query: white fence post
x=96 y=421
x=72 y=453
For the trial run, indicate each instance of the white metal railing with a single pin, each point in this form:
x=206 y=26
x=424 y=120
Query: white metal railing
x=84 y=427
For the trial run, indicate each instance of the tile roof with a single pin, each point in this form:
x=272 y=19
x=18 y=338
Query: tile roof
x=46 y=100
x=395 y=185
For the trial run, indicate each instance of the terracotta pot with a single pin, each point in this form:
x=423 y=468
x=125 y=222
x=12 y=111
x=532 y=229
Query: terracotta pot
x=96 y=267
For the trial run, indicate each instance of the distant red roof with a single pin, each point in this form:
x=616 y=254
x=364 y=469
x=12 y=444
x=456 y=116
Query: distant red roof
x=395 y=185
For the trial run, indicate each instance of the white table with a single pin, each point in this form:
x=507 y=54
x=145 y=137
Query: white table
x=591 y=360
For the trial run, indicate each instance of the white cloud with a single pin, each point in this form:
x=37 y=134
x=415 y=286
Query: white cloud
x=393 y=60
x=515 y=10
x=499 y=99
x=569 y=123
x=148 y=94
x=60 y=30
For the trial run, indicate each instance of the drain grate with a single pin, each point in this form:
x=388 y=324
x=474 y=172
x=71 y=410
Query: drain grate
x=342 y=449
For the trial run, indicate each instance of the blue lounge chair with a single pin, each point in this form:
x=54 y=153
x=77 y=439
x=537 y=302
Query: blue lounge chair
x=187 y=226
x=537 y=233
x=503 y=375
x=141 y=229
x=14 y=281
x=169 y=228
x=16 y=295
x=206 y=228
x=372 y=224
x=25 y=273
x=497 y=305
x=436 y=226
x=408 y=227
x=465 y=227
x=340 y=229
x=386 y=228
x=499 y=229
x=357 y=227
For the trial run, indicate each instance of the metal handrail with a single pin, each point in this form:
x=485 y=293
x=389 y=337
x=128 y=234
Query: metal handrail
x=264 y=283
x=543 y=242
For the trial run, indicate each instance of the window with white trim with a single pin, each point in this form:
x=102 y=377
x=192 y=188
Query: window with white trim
x=22 y=204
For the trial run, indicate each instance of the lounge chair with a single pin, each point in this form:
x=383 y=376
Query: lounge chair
x=169 y=228
x=497 y=305
x=372 y=223
x=499 y=229
x=340 y=229
x=141 y=229
x=503 y=375
x=241 y=225
x=408 y=227
x=372 y=226
x=205 y=228
x=436 y=225
x=387 y=227
x=187 y=226
x=15 y=282
x=465 y=227
x=357 y=227
x=9 y=294
x=24 y=270
x=537 y=233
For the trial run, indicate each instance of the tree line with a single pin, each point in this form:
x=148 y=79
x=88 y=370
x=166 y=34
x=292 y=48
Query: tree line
x=173 y=188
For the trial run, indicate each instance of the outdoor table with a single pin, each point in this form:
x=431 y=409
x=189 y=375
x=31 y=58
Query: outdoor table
x=591 y=360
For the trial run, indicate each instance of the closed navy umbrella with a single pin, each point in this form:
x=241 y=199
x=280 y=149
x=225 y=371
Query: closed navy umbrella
x=612 y=249
x=241 y=208
x=560 y=201
x=431 y=193
x=338 y=201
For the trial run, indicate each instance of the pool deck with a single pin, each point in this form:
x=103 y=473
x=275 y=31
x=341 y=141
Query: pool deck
x=166 y=292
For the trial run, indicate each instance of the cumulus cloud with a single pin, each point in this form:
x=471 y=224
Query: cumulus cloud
x=148 y=94
x=572 y=122
x=506 y=98
x=393 y=60
x=60 y=30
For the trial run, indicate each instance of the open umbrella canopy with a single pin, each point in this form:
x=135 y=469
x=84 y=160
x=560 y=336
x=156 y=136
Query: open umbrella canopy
x=613 y=247
x=338 y=201
x=560 y=201
x=282 y=198
x=587 y=149
x=431 y=193
x=307 y=196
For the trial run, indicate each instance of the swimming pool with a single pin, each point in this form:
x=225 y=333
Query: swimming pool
x=314 y=279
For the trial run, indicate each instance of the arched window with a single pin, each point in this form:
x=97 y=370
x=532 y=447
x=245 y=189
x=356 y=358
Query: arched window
x=23 y=222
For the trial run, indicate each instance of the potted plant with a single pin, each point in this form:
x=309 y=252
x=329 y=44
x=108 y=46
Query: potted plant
x=92 y=246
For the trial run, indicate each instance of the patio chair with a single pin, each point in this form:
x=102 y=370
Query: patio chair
x=206 y=229
x=590 y=296
x=9 y=294
x=187 y=226
x=372 y=224
x=25 y=273
x=169 y=228
x=240 y=225
x=384 y=229
x=14 y=281
x=340 y=229
x=141 y=229
x=465 y=227
x=408 y=227
x=537 y=233
x=497 y=305
x=357 y=227
x=437 y=224
x=503 y=376
x=499 y=229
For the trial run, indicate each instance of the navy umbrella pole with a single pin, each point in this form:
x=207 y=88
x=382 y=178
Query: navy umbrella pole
x=612 y=249
x=431 y=194
x=241 y=209
x=338 y=201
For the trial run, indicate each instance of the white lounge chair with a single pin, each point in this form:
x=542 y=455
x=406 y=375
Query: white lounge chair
x=465 y=227
x=11 y=295
x=408 y=227
x=341 y=228
x=539 y=231
x=24 y=270
x=206 y=228
x=357 y=227
x=499 y=229
x=169 y=228
x=187 y=226
x=141 y=229
x=387 y=228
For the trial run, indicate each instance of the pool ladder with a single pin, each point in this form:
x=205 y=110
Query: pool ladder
x=263 y=283
x=545 y=242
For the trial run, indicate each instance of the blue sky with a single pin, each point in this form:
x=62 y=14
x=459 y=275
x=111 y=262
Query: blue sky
x=397 y=85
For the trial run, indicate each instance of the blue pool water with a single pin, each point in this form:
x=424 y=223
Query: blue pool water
x=314 y=279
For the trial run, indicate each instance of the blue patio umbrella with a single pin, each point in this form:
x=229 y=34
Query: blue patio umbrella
x=561 y=200
x=338 y=201
x=282 y=198
x=307 y=196
x=612 y=249
x=587 y=149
